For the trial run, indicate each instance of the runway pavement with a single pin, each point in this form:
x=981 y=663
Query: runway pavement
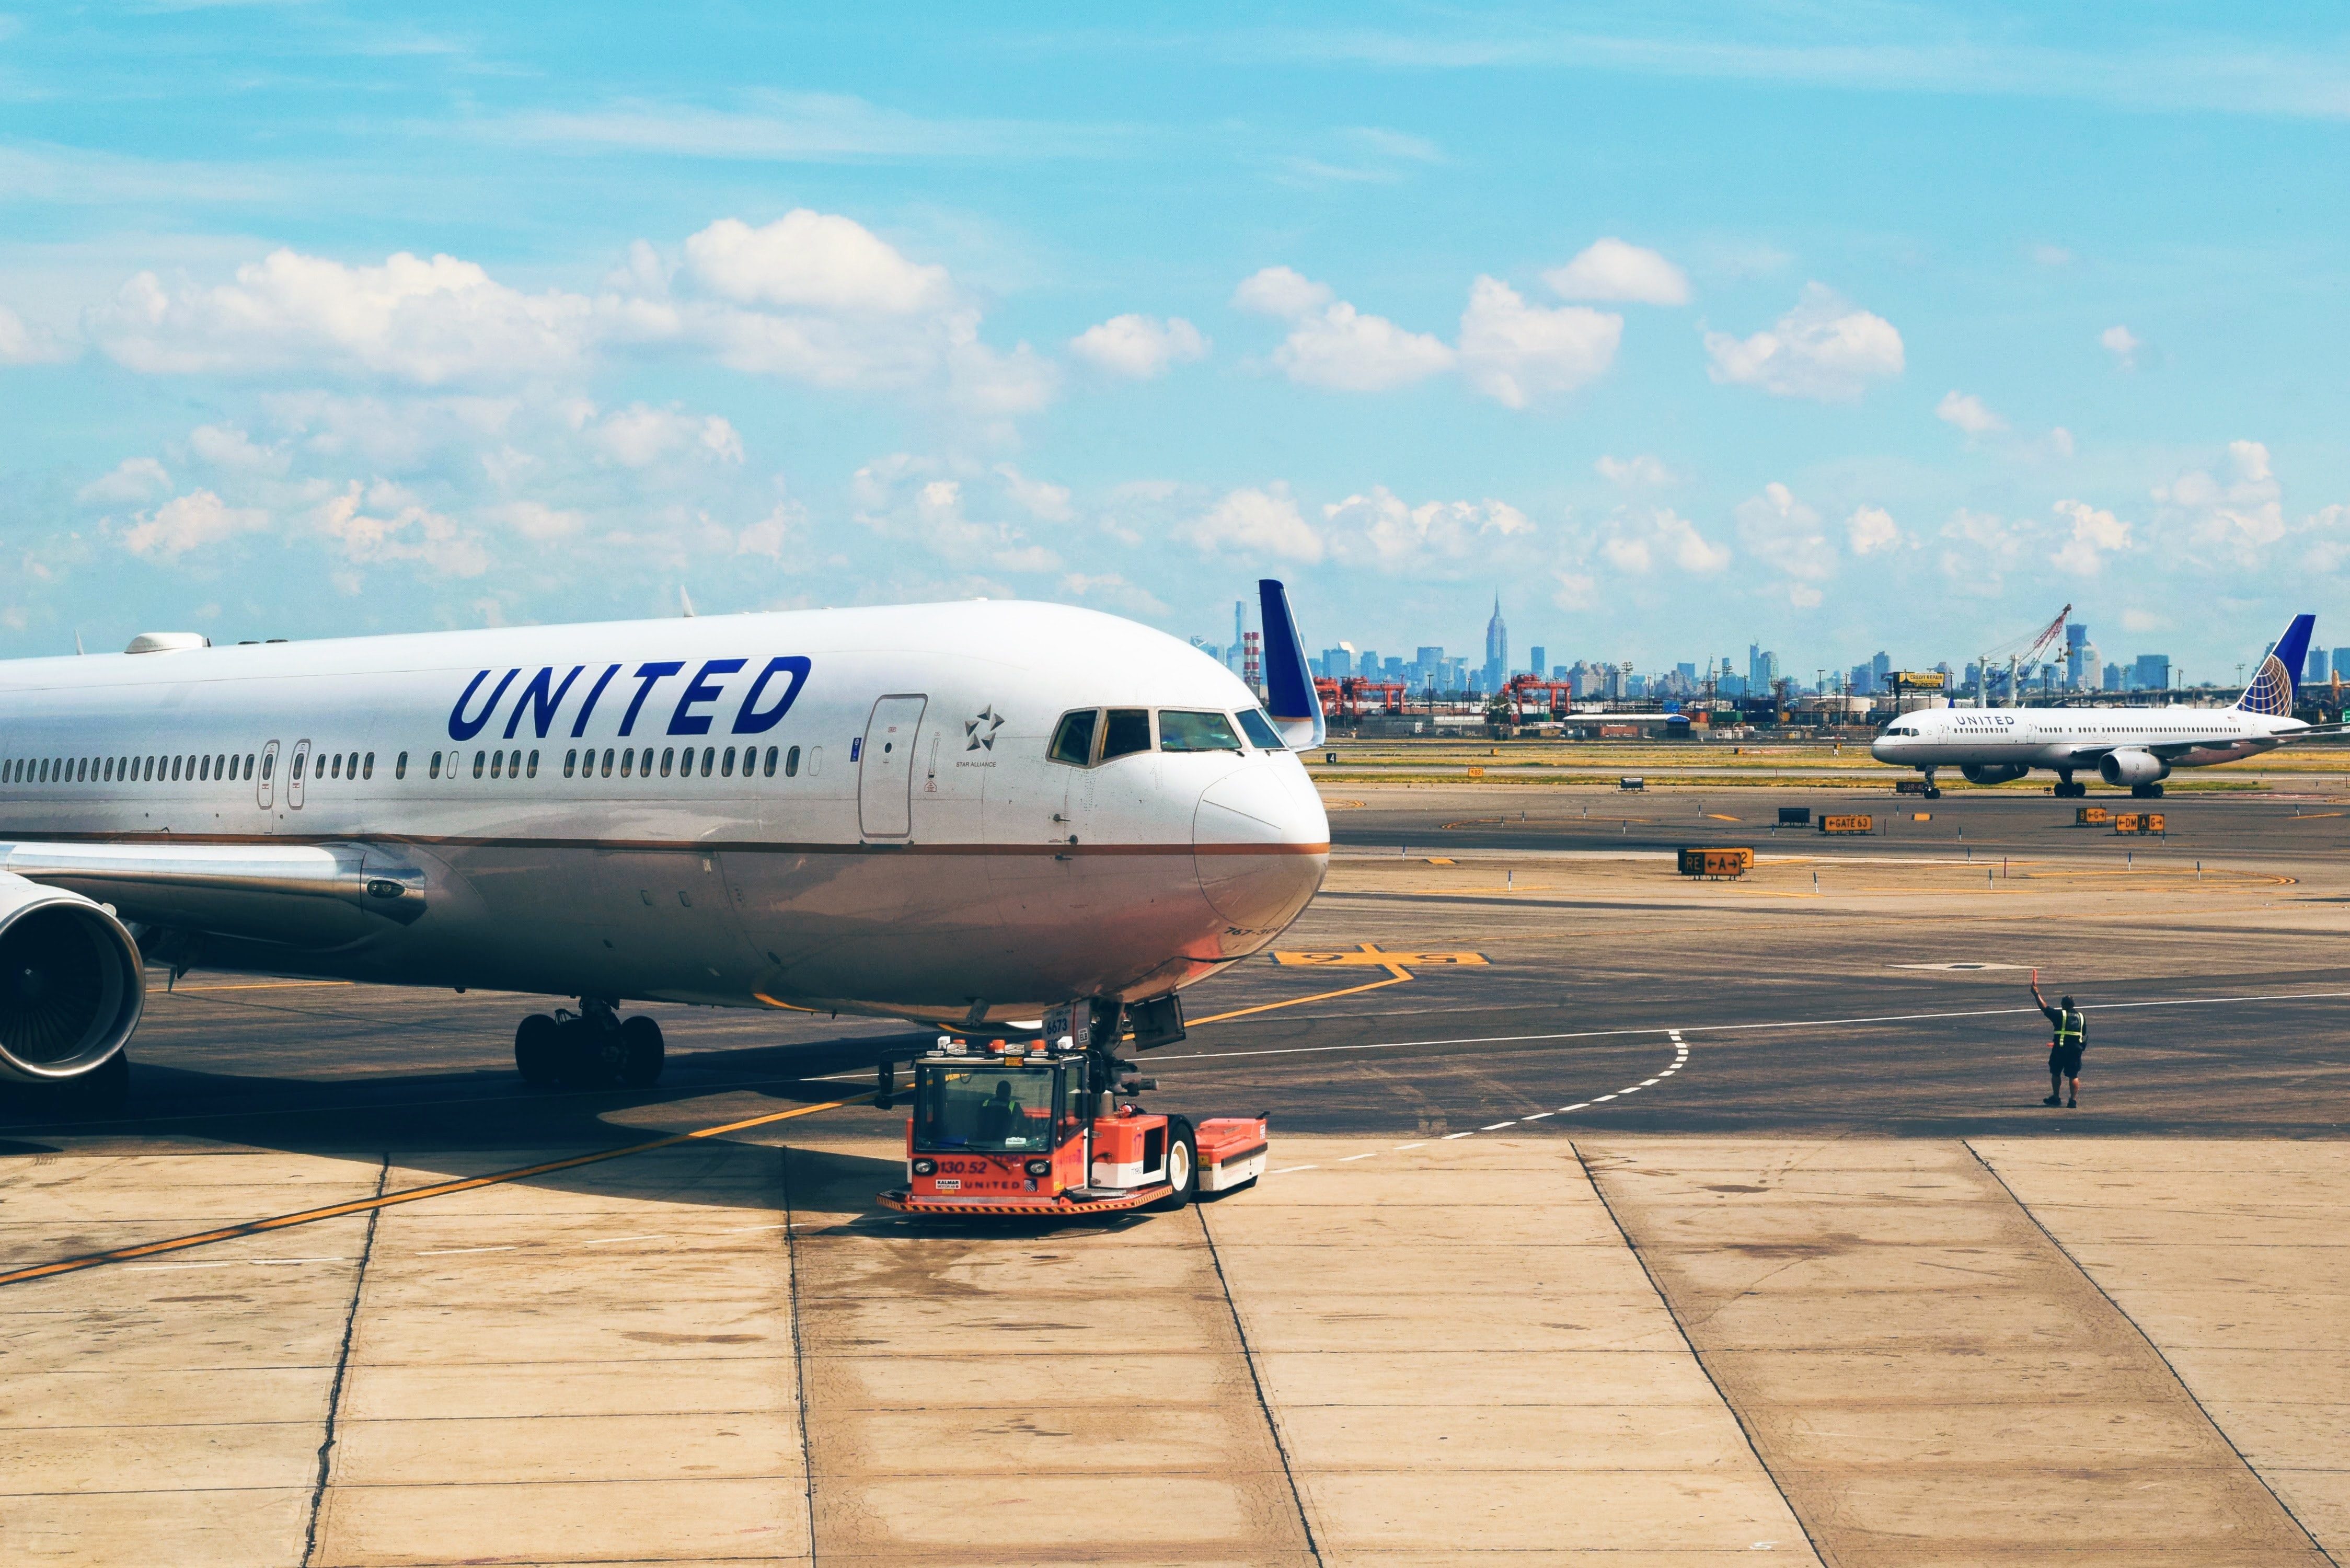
x=1624 y=1217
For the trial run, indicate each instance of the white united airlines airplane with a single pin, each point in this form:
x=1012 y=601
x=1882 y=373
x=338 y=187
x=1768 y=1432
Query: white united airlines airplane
x=2132 y=746
x=958 y=813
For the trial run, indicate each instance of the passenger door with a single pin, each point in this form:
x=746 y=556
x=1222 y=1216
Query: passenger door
x=884 y=767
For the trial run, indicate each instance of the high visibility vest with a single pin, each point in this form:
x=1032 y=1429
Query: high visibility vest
x=2072 y=1027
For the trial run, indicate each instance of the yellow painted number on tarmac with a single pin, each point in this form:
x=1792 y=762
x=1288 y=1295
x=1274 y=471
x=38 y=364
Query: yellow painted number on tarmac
x=1371 y=958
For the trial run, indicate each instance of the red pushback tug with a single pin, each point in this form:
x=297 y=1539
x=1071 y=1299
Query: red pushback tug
x=1037 y=1130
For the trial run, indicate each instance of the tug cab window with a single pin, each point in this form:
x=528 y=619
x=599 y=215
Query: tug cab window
x=1128 y=731
x=1181 y=731
x=1072 y=738
x=991 y=1107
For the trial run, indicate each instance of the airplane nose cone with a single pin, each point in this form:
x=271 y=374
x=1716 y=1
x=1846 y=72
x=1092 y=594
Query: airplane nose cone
x=1262 y=844
x=1882 y=751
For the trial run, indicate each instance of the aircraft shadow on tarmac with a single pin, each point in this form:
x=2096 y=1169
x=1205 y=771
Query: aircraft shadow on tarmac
x=456 y=1125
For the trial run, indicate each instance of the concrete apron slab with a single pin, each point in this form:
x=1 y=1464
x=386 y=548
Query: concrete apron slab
x=1025 y=1392
x=569 y=1401
x=1927 y=1377
x=1523 y=1399
x=2234 y=1259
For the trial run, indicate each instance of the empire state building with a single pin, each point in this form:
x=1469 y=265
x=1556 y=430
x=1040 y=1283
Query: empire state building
x=1497 y=649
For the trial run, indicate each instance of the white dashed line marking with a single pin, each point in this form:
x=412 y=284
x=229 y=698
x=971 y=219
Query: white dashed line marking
x=1680 y=1059
x=614 y=1241
x=452 y=1252
x=165 y=1268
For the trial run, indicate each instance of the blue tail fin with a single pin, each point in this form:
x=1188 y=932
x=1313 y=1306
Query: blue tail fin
x=1289 y=694
x=2277 y=682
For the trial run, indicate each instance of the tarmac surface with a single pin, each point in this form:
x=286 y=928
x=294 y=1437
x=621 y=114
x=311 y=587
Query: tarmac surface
x=1614 y=1217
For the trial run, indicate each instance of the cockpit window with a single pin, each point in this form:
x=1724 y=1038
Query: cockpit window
x=1073 y=739
x=1128 y=732
x=1260 y=730
x=1181 y=731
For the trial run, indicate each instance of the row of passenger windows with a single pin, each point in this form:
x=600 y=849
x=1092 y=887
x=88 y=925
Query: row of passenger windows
x=130 y=770
x=629 y=761
x=224 y=767
x=1092 y=735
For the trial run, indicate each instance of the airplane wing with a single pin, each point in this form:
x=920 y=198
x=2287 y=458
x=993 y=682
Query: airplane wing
x=308 y=895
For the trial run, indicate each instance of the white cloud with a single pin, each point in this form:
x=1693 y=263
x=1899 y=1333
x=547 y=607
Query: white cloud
x=1872 y=529
x=1141 y=347
x=23 y=345
x=770 y=534
x=1983 y=548
x=1637 y=542
x=226 y=447
x=1255 y=522
x=2096 y=533
x=2140 y=621
x=1046 y=502
x=1382 y=530
x=640 y=435
x=1333 y=344
x=1281 y=291
x=1577 y=591
x=428 y=322
x=1349 y=352
x=190 y=522
x=1611 y=269
x=2123 y=345
x=1513 y=352
x=1788 y=534
x=1966 y=411
x=2060 y=442
x=1642 y=471
x=2051 y=255
x=1824 y=348
x=133 y=479
x=2239 y=515
x=1113 y=589
x=536 y=521
x=389 y=523
x=904 y=496
x=809 y=260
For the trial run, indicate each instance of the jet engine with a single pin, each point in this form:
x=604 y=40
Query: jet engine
x=1992 y=773
x=72 y=985
x=2130 y=767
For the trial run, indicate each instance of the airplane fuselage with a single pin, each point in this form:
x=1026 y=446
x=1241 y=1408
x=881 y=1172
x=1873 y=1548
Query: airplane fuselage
x=845 y=809
x=2069 y=739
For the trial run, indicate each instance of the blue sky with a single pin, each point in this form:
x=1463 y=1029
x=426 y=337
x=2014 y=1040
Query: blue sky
x=1834 y=329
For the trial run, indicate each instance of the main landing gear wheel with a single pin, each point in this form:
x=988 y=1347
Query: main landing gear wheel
x=538 y=1051
x=2147 y=791
x=641 y=1053
x=2068 y=790
x=1182 y=1167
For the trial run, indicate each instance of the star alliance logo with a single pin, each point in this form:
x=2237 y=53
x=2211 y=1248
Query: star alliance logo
x=980 y=732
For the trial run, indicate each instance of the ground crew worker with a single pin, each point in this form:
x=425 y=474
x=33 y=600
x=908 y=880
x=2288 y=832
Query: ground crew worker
x=2072 y=1034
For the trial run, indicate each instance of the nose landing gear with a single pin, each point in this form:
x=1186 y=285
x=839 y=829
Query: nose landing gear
x=592 y=1049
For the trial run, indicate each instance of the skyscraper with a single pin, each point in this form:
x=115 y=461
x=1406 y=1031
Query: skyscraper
x=2078 y=649
x=1497 y=648
x=1538 y=659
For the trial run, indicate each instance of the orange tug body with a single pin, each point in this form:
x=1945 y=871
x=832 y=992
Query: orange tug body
x=1024 y=1132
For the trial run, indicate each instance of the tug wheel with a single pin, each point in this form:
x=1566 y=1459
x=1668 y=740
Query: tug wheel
x=1182 y=1167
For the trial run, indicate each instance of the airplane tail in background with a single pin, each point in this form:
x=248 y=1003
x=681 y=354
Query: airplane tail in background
x=1289 y=694
x=2275 y=684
